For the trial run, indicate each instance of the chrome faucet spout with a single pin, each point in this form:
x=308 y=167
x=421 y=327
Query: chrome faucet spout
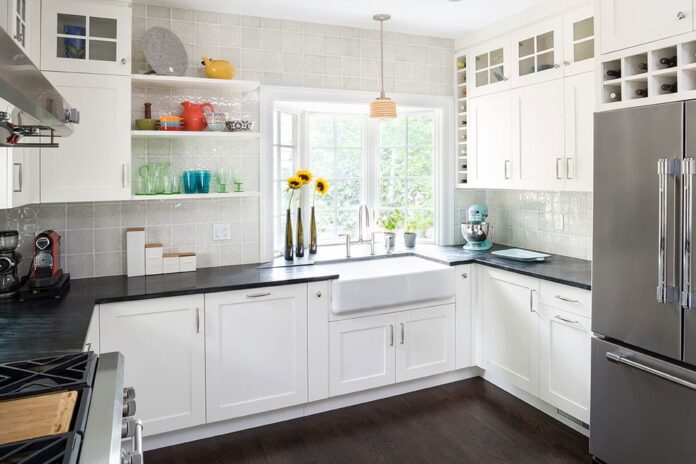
x=362 y=208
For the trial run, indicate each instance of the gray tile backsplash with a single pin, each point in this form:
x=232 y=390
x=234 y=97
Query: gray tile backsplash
x=93 y=234
x=554 y=222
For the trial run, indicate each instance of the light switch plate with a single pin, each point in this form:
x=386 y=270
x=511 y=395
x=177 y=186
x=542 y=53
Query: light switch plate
x=222 y=231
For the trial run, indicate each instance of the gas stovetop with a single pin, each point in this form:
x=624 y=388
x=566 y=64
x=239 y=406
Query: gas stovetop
x=45 y=375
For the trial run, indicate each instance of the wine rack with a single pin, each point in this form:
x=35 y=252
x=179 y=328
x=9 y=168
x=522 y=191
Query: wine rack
x=461 y=92
x=652 y=73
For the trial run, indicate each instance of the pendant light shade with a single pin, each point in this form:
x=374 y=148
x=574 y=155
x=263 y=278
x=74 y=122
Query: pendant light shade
x=382 y=107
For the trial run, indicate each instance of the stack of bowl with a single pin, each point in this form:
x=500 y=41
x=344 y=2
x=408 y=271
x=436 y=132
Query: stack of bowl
x=171 y=123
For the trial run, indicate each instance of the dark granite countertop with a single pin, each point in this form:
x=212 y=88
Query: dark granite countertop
x=46 y=328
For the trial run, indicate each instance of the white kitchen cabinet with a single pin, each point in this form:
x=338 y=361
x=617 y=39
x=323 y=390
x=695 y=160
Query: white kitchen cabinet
x=256 y=350
x=163 y=343
x=19 y=167
x=510 y=306
x=626 y=23
x=565 y=361
x=463 y=317
x=490 y=139
x=579 y=131
x=538 y=53
x=92 y=164
x=426 y=342
x=538 y=136
x=21 y=20
x=361 y=353
x=578 y=41
x=490 y=70
x=86 y=37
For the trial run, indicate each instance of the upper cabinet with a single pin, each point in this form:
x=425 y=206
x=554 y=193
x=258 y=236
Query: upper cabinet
x=490 y=154
x=21 y=20
x=578 y=41
x=490 y=69
x=538 y=53
x=626 y=23
x=86 y=37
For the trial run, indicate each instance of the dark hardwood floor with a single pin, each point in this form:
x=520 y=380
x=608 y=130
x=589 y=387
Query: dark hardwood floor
x=471 y=421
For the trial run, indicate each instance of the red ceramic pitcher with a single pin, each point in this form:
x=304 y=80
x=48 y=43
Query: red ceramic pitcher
x=194 y=116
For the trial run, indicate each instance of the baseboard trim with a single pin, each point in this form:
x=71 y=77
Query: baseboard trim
x=257 y=420
x=532 y=400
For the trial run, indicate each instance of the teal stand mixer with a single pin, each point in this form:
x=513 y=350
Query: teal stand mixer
x=475 y=230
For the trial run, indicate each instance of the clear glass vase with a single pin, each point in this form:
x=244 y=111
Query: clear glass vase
x=299 y=249
x=289 y=250
x=313 y=234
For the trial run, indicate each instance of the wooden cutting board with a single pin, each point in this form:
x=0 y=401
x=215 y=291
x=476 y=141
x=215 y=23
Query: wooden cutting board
x=36 y=416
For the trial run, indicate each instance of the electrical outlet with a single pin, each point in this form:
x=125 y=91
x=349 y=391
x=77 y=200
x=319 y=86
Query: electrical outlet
x=558 y=222
x=222 y=231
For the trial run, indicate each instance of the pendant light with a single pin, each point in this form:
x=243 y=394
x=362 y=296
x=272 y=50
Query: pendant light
x=382 y=107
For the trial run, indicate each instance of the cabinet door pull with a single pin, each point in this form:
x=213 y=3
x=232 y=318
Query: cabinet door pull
x=561 y=318
x=505 y=167
x=558 y=174
x=568 y=168
x=124 y=175
x=391 y=340
x=565 y=298
x=258 y=295
x=531 y=301
x=198 y=321
x=403 y=333
x=20 y=177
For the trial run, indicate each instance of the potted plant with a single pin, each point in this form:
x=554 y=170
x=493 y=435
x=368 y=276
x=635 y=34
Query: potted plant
x=389 y=222
x=410 y=233
x=419 y=223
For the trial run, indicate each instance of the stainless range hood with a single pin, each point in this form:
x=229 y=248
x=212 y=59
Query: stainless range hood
x=44 y=112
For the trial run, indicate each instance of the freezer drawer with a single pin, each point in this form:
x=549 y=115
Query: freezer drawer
x=643 y=409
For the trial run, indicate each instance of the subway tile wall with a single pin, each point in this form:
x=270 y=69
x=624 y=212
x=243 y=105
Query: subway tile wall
x=552 y=222
x=300 y=54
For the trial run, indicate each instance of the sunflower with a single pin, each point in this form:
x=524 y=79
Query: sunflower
x=294 y=182
x=322 y=186
x=304 y=175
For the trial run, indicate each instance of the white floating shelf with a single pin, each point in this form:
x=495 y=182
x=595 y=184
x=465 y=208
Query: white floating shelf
x=156 y=134
x=229 y=85
x=196 y=196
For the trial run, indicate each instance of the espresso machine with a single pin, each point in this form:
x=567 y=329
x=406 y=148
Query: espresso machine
x=475 y=230
x=10 y=281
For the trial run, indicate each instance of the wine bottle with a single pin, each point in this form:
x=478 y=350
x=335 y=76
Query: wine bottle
x=614 y=73
x=615 y=96
x=669 y=62
x=643 y=66
x=671 y=88
x=642 y=92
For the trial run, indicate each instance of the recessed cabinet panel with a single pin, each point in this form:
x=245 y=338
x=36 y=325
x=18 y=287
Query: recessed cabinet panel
x=579 y=131
x=490 y=140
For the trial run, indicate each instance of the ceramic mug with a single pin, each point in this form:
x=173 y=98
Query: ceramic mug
x=216 y=121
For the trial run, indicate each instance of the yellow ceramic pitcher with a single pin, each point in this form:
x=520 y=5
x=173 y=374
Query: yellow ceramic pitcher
x=218 y=69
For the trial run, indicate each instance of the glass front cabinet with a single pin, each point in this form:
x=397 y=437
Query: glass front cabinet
x=579 y=42
x=87 y=37
x=489 y=71
x=21 y=19
x=538 y=53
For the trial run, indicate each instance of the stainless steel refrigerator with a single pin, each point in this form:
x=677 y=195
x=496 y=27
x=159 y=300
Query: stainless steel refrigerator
x=643 y=398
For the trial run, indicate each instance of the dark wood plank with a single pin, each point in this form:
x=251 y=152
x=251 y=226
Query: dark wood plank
x=471 y=421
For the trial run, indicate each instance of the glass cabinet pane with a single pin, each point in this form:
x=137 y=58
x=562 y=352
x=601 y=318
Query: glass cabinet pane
x=583 y=50
x=69 y=47
x=101 y=50
x=545 y=61
x=583 y=29
x=544 y=41
x=481 y=78
x=496 y=57
x=72 y=24
x=482 y=61
x=497 y=74
x=22 y=9
x=527 y=66
x=102 y=27
x=526 y=47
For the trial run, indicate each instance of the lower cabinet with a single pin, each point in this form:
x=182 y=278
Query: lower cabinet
x=565 y=361
x=373 y=351
x=256 y=350
x=511 y=328
x=162 y=341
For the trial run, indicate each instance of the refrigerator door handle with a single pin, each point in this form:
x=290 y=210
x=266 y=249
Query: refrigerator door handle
x=618 y=358
x=688 y=170
x=665 y=168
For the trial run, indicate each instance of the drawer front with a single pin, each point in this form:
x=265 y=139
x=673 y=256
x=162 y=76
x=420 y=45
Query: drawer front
x=571 y=299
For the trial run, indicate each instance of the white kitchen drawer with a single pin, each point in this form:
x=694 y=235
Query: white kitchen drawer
x=571 y=299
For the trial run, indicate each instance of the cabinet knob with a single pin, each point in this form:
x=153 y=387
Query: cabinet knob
x=123 y=61
x=681 y=15
x=556 y=66
x=465 y=275
x=566 y=63
x=318 y=294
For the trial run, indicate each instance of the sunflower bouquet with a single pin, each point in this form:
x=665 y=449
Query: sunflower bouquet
x=295 y=183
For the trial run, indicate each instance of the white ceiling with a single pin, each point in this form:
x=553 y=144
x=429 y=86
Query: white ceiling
x=440 y=18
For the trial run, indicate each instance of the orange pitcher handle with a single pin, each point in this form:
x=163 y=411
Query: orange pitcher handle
x=212 y=109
